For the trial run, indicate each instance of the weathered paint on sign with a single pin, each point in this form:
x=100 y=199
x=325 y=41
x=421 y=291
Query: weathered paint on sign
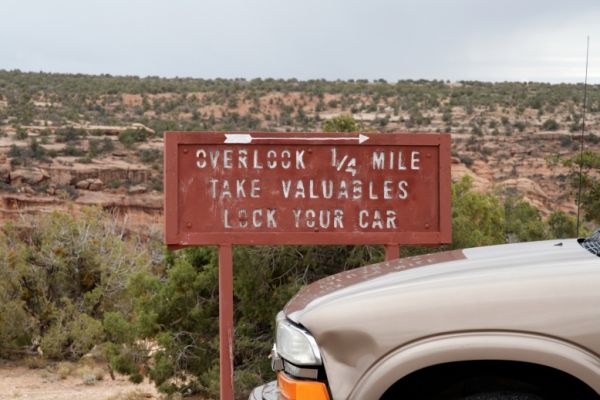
x=306 y=188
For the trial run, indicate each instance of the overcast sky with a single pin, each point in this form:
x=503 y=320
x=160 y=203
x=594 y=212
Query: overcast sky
x=524 y=40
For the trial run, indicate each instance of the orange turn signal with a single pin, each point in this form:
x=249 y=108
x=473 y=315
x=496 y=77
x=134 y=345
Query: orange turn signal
x=301 y=390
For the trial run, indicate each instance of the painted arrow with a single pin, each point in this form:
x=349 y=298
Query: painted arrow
x=245 y=138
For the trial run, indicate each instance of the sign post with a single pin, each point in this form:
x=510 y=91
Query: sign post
x=392 y=251
x=226 y=321
x=263 y=188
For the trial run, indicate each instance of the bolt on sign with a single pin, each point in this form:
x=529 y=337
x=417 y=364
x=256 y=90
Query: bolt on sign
x=306 y=188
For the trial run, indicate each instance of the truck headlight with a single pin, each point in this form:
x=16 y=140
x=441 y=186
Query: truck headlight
x=296 y=345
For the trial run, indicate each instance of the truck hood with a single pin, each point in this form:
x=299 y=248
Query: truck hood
x=436 y=267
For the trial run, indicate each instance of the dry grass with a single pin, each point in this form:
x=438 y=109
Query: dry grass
x=134 y=395
x=90 y=375
x=35 y=362
x=64 y=369
x=63 y=381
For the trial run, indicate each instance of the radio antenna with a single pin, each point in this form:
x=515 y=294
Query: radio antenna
x=587 y=55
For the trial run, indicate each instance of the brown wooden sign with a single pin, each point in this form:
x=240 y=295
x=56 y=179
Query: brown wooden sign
x=306 y=188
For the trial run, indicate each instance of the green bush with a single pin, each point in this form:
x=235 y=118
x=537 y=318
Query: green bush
x=14 y=151
x=64 y=279
x=550 y=125
x=561 y=225
x=136 y=377
x=130 y=137
x=21 y=133
x=181 y=311
x=148 y=156
x=84 y=331
x=523 y=221
x=17 y=328
x=69 y=135
x=342 y=123
x=125 y=359
x=477 y=218
x=36 y=150
x=54 y=342
x=520 y=125
x=71 y=150
x=107 y=145
x=117 y=328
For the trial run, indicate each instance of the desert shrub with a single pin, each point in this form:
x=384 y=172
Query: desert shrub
x=17 y=329
x=561 y=225
x=90 y=374
x=589 y=159
x=447 y=116
x=73 y=151
x=520 y=126
x=98 y=373
x=465 y=159
x=130 y=137
x=342 y=123
x=523 y=221
x=584 y=168
x=114 y=184
x=136 y=377
x=60 y=276
x=64 y=369
x=14 y=151
x=477 y=218
x=148 y=156
x=54 y=342
x=156 y=184
x=566 y=141
x=476 y=130
x=67 y=191
x=69 y=135
x=21 y=133
x=117 y=328
x=84 y=332
x=35 y=362
x=93 y=148
x=107 y=145
x=181 y=310
x=550 y=125
x=123 y=358
x=88 y=379
x=24 y=155
x=85 y=160
x=36 y=150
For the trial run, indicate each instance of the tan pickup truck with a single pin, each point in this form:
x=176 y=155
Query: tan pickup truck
x=509 y=322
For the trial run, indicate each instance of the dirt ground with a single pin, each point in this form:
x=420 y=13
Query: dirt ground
x=19 y=382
